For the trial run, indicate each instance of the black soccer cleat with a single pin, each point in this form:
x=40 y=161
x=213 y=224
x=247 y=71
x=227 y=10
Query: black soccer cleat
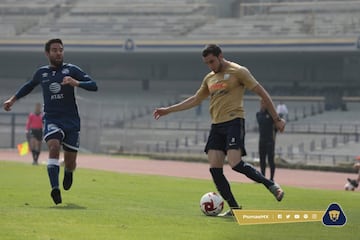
x=68 y=180
x=56 y=196
x=277 y=192
x=353 y=182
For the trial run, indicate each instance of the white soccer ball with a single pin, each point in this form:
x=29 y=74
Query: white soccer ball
x=211 y=204
x=349 y=187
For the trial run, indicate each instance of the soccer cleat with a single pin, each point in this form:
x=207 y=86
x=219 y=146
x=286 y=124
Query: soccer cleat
x=68 y=179
x=277 y=192
x=228 y=213
x=353 y=182
x=56 y=196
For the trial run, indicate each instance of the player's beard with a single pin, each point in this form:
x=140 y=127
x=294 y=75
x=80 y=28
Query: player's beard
x=56 y=62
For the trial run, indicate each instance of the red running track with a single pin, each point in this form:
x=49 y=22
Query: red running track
x=285 y=177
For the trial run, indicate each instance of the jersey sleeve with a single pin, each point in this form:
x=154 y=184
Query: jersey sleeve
x=86 y=82
x=28 y=86
x=246 y=78
x=203 y=92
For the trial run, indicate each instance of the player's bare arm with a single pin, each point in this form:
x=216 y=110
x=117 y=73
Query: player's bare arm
x=184 y=105
x=8 y=103
x=279 y=122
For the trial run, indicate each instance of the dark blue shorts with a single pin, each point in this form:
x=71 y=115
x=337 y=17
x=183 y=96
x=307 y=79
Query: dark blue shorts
x=227 y=135
x=68 y=137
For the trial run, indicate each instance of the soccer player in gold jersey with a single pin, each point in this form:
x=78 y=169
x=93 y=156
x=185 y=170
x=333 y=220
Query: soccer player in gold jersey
x=225 y=85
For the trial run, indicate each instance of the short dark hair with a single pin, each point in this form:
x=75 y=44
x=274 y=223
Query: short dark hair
x=211 y=49
x=51 y=41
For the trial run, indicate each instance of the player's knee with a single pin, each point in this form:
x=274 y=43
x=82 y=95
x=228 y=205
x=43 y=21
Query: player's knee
x=240 y=167
x=54 y=148
x=69 y=149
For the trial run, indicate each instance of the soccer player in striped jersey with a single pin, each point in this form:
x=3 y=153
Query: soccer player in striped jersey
x=61 y=119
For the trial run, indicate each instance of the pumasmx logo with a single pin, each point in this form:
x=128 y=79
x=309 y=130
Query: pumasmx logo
x=333 y=216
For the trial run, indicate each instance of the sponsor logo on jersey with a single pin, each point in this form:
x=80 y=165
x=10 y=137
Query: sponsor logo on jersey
x=55 y=88
x=218 y=86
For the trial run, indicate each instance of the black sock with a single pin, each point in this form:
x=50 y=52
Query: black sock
x=223 y=186
x=53 y=172
x=34 y=155
x=252 y=173
x=37 y=154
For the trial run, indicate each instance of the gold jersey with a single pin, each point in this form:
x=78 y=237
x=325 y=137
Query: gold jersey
x=226 y=90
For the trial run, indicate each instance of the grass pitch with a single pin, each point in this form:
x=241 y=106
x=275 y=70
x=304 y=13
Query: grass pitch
x=106 y=205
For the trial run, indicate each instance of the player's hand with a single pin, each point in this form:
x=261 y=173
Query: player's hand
x=280 y=125
x=70 y=81
x=159 y=112
x=8 y=104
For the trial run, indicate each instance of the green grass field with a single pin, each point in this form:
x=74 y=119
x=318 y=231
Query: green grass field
x=106 y=205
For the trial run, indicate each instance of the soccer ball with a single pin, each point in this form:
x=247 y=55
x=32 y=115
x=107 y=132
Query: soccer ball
x=349 y=187
x=211 y=204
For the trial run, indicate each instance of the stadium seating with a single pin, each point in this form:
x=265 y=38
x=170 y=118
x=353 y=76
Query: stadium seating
x=110 y=19
x=120 y=120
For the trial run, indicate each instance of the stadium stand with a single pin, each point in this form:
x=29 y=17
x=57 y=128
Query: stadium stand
x=194 y=19
x=118 y=120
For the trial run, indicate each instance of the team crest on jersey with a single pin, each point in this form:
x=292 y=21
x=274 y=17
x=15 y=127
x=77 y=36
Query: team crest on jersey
x=226 y=76
x=44 y=75
x=65 y=71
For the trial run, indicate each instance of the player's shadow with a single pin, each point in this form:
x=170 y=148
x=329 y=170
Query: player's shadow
x=69 y=206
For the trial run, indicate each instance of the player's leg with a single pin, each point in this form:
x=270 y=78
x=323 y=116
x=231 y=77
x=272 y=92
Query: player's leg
x=216 y=160
x=70 y=146
x=355 y=182
x=70 y=165
x=37 y=144
x=53 y=166
x=53 y=136
x=271 y=155
x=32 y=147
x=238 y=165
x=236 y=149
x=216 y=156
x=262 y=158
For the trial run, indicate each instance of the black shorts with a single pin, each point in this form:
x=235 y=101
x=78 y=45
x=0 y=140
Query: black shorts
x=36 y=133
x=227 y=135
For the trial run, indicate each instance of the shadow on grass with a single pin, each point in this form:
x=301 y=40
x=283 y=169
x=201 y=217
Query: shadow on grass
x=68 y=206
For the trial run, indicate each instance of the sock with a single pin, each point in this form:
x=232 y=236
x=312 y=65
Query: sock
x=223 y=186
x=37 y=154
x=252 y=173
x=34 y=155
x=53 y=169
x=66 y=170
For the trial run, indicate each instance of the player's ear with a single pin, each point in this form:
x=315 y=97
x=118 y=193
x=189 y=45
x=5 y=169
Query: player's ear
x=221 y=57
